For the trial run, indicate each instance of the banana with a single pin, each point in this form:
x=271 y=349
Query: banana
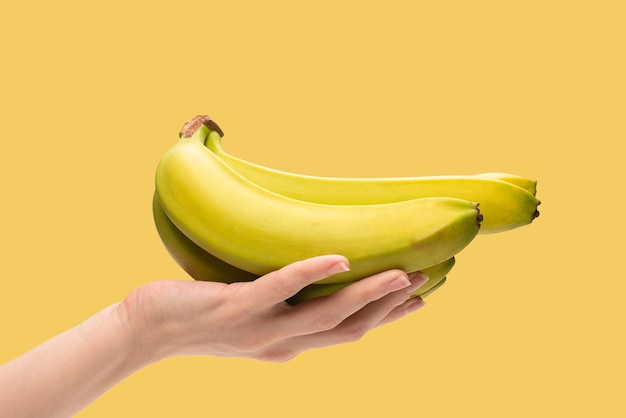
x=258 y=230
x=203 y=266
x=507 y=201
x=196 y=262
x=435 y=274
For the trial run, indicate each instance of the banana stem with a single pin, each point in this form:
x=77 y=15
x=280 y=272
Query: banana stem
x=190 y=127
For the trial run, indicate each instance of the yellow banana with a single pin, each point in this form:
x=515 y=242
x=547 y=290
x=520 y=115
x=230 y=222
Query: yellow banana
x=201 y=265
x=198 y=263
x=258 y=230
x=507 y=201
x=435 y=274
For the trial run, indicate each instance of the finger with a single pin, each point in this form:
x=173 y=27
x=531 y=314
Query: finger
x=373 y=314
x=325 y=313
x=411 y=305
x=355 y=326
x=278 y=286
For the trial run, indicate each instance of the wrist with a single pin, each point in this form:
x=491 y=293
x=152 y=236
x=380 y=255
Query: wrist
x=150 y=333
x=141 y=341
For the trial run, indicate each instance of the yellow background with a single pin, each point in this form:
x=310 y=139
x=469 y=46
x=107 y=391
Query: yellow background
x=530 y=323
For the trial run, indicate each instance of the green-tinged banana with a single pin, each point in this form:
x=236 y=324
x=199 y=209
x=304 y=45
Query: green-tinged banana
x=435 y=274
x=203 y=266
x=198 y=263
x=257 y=230
x=505 y=200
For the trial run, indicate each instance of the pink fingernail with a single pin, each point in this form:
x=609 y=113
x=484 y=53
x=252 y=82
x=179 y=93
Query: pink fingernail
x=398 y=283
x=414 y=304
x=340 y=267
x=418 y=278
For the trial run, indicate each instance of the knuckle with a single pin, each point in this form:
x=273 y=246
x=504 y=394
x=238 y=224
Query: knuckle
x=354 y=333
x=252 y=342
x=392 y=303
x=367 y=296
x=326 y=323
x=283 y=289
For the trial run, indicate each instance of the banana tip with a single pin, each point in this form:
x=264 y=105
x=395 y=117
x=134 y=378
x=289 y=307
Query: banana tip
x=536 y=213
x=479 y=215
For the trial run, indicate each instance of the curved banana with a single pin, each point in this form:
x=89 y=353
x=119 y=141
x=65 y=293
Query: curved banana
x=196 y=262
x=259 y=231
x=506 y=201
x=435 y=274
x=203 y=266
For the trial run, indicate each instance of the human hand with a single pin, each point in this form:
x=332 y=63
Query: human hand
x=252 y=319
x=168 y=318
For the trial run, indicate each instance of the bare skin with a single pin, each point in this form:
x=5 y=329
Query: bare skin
x=170 y=318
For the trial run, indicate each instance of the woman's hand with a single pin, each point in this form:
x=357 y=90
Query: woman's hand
x=252 y=319
x=167 y=318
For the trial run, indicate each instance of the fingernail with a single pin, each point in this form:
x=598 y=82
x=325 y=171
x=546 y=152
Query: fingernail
x=340 y=267
x=398 y=283
x=414 y=304
x=418 y=278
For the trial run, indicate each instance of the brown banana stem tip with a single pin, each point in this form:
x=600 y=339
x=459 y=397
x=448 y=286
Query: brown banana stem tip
x=479 y=215
x=536 y=214
x=190 y=127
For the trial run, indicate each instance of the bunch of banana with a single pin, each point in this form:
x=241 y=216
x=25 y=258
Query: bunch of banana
x=225 y=219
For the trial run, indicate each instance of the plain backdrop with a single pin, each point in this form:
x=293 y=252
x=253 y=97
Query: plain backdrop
x=530 y=322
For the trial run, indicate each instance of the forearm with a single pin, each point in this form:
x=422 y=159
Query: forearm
x=66 y=373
